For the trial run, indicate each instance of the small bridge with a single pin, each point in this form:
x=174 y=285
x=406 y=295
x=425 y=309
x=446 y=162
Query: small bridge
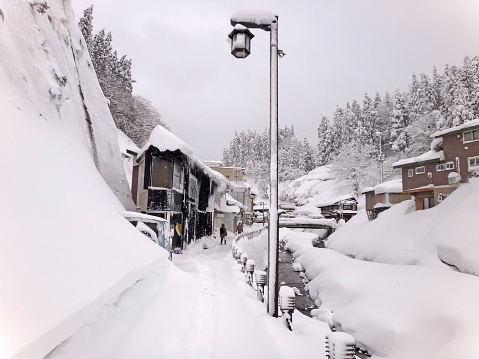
x=327 y=224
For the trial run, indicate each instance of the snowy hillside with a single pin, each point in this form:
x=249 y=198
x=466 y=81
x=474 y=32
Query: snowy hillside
x=315 y=188
x=65 y=250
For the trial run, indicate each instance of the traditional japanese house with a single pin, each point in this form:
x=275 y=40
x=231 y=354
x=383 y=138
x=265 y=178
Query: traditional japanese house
x=175 y=185
x=453 y=158
x=343 y=206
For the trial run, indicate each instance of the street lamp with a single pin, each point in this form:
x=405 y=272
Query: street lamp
x=240 y=48
x=380 y=158
x=240 y=41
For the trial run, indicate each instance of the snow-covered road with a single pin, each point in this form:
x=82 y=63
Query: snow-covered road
x=198 y=307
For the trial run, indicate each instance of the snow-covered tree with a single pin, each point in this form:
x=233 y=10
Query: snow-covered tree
x=399 y=122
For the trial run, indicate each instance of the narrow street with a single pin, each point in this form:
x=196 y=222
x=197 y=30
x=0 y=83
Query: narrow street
x=198 y=307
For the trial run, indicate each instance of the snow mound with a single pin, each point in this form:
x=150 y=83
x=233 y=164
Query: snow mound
x=401 y=235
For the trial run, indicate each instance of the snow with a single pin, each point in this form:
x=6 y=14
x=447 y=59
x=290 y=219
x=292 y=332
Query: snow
x=254 y=16
x=388 y=311
x=317 y=188
x=65 y=250
x=126 y=144
x=392 y=186
x=428 y=156
x=464 y=126
x=164 y=140
x=233 y=202
x=388 y=282
x=199 y=306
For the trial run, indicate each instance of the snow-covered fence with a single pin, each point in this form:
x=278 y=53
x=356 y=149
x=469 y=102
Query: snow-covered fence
x=250 y=234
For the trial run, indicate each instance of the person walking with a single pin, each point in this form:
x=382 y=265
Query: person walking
x=239 y=228
x=223 y=233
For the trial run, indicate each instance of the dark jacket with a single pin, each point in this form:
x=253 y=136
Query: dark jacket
x=223 y=232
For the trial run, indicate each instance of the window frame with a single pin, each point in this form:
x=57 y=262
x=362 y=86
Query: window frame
x=474 y=168
x=410 y=172
x=451 y=165
x=420 y=173
x=472 y=136
x=441 y=165
x=166 y=182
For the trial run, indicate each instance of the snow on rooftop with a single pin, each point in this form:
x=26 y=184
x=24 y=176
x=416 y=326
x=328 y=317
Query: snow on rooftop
x=126 y=143
x=164 y=140
x=425 y=157
x=233 y=202
x=316 y=188
x=464 y=126
x=392 y=186
x=254 y=16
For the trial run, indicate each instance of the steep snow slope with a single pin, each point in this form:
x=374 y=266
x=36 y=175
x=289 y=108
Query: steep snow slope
x=64 y=248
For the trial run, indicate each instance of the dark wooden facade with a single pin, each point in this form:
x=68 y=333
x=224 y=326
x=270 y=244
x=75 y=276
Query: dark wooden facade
x=177 y=188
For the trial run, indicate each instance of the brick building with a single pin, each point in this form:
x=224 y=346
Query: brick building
x=453 y=158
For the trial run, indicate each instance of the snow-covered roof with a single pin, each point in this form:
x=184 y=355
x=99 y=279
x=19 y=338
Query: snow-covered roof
x=232 y=202
x=429 y=156
x=367 y=189
x=240 y=184
x=336 y=199
x=460 y=128
x=254 y=16
x=130 y=215
x=392 y=186
x=126 y=143
x=164 y=140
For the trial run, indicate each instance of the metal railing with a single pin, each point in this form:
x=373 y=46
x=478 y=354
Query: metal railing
x=250 y=234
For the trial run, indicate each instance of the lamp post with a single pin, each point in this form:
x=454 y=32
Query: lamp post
x=240 y=47
x=381 y=175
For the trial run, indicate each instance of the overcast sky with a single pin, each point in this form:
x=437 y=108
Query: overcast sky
x=336 y=50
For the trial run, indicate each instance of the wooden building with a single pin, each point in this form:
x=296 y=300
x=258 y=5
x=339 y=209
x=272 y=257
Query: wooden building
x=173 y=184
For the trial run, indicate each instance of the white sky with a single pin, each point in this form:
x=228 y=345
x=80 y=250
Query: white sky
x=336 y=51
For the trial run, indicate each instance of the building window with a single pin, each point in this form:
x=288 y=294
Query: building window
x=470 y=136
x=450 y=165
x=420 y=170
x=473 y=163
x=440 y=167
x=410 y=173
x=178 y=176
x=161 y=173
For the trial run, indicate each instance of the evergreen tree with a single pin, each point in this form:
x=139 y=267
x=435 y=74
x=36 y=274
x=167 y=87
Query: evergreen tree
x=399 y=122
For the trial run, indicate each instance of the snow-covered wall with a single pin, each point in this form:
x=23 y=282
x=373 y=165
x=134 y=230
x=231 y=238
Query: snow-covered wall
x=64 y=248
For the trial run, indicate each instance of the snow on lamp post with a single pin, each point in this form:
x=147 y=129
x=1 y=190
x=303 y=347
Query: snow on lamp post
x=240 y=41
x=265 y=20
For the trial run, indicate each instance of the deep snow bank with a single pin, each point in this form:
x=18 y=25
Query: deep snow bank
x=397 y=311
x=400 y=235
x=65 y=250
